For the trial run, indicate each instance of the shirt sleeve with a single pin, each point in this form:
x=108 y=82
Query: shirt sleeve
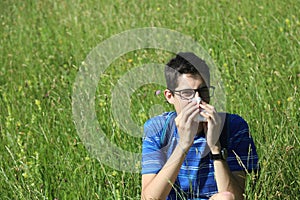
x=242 y=155
x=153 y=158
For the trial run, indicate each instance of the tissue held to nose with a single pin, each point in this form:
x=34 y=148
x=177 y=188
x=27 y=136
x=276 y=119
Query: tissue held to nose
x=199 y=118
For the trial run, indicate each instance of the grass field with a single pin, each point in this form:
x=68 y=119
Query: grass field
x=255 y=45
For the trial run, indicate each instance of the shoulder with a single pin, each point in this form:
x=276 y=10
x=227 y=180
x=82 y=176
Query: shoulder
x=157 y=118
x=237 y=123
x=156 y=124
x=234 y=123
x=239 y=130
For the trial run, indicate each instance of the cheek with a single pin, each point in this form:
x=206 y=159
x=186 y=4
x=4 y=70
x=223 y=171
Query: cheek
x=184 y=103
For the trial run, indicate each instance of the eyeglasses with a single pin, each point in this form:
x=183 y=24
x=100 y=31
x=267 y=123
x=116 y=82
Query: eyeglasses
x=188 y=94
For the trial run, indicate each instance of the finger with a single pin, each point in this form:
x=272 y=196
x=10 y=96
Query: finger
x=206 y=105
x=207 y=115
x=209 y=108
x=193 y=115
x=188 y=110
x=213 y=118
x=213 y=113
x=187 y=116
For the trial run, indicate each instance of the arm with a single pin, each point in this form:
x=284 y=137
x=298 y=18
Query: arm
x=227 y=181
x=233 y=182
x=158 y=186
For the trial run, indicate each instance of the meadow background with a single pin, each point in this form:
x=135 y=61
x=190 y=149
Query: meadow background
x=255 y=45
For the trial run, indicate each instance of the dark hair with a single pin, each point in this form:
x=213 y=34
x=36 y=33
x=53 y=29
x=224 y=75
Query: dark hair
x=185 y=63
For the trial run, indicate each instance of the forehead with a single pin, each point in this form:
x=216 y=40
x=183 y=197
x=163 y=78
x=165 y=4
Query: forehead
x=187 y=81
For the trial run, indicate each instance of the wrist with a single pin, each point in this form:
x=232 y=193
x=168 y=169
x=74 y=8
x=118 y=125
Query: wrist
x=221 y=156
x=216 y=148
x=185 y=147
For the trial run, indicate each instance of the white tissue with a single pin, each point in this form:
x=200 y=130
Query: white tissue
x=198 y=99
x=199 y=118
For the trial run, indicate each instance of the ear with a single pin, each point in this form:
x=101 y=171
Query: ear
x=169 y=96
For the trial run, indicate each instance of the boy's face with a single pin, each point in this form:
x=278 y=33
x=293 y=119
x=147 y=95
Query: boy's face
x=185 y=81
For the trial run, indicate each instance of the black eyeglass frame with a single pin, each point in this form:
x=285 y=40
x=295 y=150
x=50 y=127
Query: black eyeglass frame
x=211 y=90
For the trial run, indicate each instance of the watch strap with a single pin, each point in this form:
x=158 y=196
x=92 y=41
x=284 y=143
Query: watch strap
x=220 y=156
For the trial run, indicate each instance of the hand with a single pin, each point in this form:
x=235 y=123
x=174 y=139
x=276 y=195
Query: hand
x=212 y=127
x=186 y=125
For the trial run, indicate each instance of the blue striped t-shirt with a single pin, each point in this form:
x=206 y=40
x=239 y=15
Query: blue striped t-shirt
x=196 y=176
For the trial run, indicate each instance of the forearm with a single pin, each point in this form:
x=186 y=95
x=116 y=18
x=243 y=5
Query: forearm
x=161 y=185
x=226 y=181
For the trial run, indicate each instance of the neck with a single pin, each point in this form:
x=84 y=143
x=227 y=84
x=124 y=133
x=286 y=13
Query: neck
x=200 y=130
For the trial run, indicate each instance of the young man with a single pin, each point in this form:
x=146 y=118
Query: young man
x=185 y=152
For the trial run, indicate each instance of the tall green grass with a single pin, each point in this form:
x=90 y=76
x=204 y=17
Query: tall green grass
x=254 y=43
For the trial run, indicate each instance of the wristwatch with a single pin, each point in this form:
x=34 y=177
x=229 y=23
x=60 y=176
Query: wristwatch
x=221 y=156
